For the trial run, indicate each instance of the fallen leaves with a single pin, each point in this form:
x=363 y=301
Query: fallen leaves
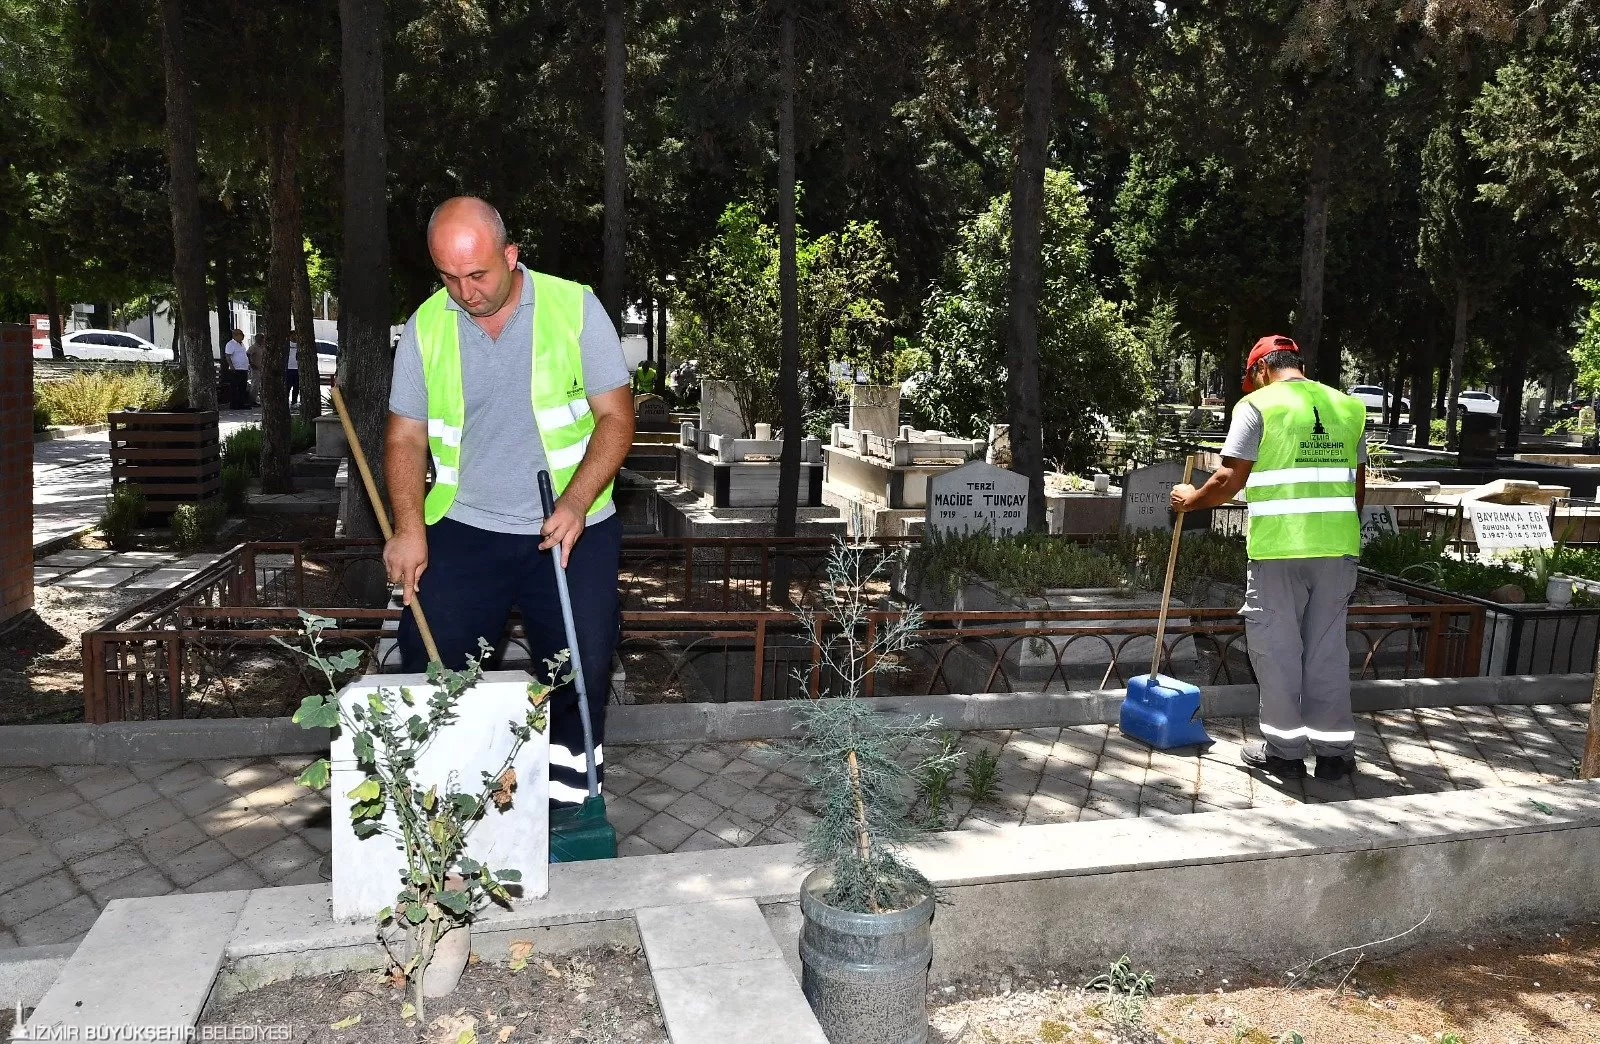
x=520 y=950
x=346 y=1023
x=501 y=796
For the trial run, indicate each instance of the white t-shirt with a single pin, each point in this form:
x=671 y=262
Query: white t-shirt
x=238 y=354
x=294 y=356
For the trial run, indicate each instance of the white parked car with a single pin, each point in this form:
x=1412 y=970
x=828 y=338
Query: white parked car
x=106 y=346
x=1376 y=398
x=1478 y=402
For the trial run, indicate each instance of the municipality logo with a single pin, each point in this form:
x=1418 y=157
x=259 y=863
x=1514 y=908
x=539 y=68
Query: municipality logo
x=1316 y=427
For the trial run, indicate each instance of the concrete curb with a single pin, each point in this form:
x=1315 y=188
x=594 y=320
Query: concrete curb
x=185 y=740
x=67 y=431
x=1061 y=896
x=57 y=543
x=27 y=972
x=726 y=722
x=202 y=738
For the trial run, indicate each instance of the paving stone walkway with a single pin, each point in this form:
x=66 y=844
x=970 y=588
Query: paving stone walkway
x=74 y=838
x=92 y=570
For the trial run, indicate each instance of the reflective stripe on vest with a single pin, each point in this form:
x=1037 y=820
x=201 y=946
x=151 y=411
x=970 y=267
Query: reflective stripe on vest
x=1302 y=488
x=557 y=395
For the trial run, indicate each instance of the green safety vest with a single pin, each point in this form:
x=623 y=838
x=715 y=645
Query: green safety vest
x=560 y=408
x=1302 y=489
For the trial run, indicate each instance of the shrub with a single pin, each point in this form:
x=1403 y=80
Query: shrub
x=194 y=525
x=302 y=434
x=235 y=488
x=1028 y=563
x=88 y=397
x=242 y=449
x=41 y=417
x=124 y=514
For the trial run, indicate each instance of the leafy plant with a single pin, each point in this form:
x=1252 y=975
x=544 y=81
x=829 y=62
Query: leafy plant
x=441 y=888
x=302 y=434
x=235 y=488
x=124 y=514
x=865 y=789
x=242 y=449
x=934 y=781
x=194 y=525
x=1126 y=991
x=983 y=776
x=90 y=396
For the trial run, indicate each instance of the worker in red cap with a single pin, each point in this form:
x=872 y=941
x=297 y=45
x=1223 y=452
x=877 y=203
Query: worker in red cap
x=1296 y=449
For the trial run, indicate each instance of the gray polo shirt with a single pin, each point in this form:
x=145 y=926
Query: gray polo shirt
x=501 y=453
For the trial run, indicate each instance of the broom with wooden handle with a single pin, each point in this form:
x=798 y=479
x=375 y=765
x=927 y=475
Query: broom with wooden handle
x=383 y=516
x=1166 y=589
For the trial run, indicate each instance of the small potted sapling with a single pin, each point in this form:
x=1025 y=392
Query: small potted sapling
x=865 y=941
x=441 y=888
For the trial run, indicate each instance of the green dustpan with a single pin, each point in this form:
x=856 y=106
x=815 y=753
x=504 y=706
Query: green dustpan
x=579 y=832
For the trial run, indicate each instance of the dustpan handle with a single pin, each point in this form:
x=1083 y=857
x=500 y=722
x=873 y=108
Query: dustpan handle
x=1166 y=589
x=547 y=495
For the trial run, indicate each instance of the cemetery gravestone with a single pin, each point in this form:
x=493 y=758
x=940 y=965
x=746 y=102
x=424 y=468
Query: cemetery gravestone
x=1376 y=520
x=1500 y=527
x=1146 y=497
x=719 y=409
x=875 y=408
x=366 y=871
x=651 y=414
x=974 y=498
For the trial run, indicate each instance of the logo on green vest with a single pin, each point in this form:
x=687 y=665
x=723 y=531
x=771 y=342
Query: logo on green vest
x=1317 y=428
x=576 y=391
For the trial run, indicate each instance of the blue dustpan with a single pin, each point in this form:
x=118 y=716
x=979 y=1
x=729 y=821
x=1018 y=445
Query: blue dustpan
x=1163 y=712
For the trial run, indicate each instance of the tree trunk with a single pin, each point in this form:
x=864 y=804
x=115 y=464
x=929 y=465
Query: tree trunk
x=648 y=305
x=52 y=307
x=661 y=345
x=365 y=363
x=1458 y=361
x=1232 y=363
x=1511 y=401
x=223 y=292
x=789 y=366
x=305 y=325
x=1422 y=383
x=1589 y=767
x=613 y=237
x=283 y=219
x=193 y=334
x=1023 y=409
x=1314 y=253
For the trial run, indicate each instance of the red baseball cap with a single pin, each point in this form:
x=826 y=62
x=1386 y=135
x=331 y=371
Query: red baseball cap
x=1265 y=347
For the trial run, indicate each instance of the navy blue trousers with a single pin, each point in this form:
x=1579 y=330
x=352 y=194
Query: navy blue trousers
x=475 y=577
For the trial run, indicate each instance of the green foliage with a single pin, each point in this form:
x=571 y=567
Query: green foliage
x=235 y=488
x=41 y=417
x=1091 y=367
x=442 y=886
x=242 y=450
x=1031 y=563
x=983 y=776
x=934 y=779
x=865 y=790
x=1409 y=556
x=124 y=514
x=88 y=397
x=302 y=434
x=728 y=315
x=195 y=525
x=1586 y=350
x=1126 y=992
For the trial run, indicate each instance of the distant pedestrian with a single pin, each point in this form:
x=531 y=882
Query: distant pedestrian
x=257 y=350
x=291 y=376
x=238 y=361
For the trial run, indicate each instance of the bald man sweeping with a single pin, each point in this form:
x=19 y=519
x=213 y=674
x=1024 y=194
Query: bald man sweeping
x=501 y=374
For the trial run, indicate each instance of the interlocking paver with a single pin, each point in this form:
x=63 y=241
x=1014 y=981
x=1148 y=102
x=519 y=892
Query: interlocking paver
x=67 y=821
x=681 y=776
x=90 y=842
x=665 y=832
x=691 y=809
x=99 y=870
x=59 y=924
x=197 y=863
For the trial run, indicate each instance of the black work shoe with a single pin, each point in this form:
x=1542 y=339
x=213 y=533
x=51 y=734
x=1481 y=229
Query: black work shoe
x=1255 y=756
x=1335 y=766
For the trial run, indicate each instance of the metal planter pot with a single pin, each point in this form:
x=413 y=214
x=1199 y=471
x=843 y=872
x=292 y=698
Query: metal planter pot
x=865 y=975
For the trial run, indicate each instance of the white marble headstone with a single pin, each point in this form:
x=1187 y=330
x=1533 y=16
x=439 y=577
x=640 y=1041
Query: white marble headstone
x=977 y=497
x=1147 y=496
x=366 y=871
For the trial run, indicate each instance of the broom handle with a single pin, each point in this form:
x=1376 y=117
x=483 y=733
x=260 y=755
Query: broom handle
x=383 y=516
x=547 y=497
x=1166 y=588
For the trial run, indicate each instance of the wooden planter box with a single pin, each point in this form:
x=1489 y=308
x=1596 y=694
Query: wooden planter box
x=172 y=458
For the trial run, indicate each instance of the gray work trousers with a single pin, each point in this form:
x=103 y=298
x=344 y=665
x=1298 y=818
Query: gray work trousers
x=1294 y=620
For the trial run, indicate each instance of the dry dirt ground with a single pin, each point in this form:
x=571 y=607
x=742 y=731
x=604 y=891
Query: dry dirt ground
x=598 y=996
x=1539 y=990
